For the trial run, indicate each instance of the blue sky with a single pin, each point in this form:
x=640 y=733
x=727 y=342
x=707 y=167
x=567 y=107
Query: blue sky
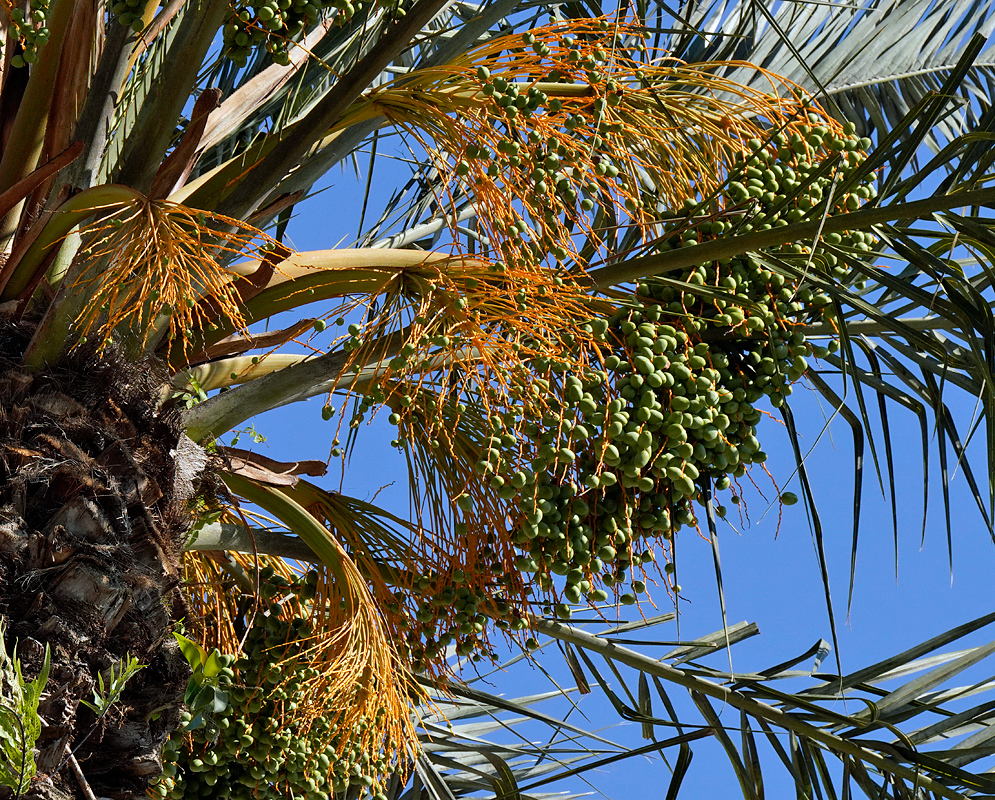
x=770 y=571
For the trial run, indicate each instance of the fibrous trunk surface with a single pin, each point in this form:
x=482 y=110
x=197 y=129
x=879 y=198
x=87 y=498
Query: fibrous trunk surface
x=95 y=483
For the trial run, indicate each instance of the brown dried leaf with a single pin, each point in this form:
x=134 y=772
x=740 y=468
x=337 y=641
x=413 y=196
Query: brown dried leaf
x=236 y=343
x=265 y=470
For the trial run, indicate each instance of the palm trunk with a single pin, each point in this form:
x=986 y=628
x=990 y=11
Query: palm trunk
x=94 y=488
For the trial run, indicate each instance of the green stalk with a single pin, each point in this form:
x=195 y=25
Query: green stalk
x=68 y=216
x=27 y=134
x=224 y=411
x=55 y=334
x=297 y=519
x=236 y=538
x=215 y=374
x=153 y=130
x=64 y=260
x=106 y=88
x=731 y=246
x=240 y=539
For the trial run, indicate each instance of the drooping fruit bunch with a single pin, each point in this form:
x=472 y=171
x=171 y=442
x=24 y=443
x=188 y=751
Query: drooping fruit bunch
x=244 y=750
x=628 y=444
x=276 y=24
x=451 y=609
x=31 y=30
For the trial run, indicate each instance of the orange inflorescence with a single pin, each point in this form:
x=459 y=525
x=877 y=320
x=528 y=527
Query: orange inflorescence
x=158 y=265
x=560 y=137
x=588 y=142
x=347 y=673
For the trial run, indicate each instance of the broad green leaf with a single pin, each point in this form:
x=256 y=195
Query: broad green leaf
x=193 y=652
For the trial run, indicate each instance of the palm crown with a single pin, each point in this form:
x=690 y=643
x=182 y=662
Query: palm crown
x=669 y=218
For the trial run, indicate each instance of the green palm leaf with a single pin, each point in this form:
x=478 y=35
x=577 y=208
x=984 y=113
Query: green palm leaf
x=870 y=63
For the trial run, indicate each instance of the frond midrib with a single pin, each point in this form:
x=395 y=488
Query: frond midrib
x=877 y=80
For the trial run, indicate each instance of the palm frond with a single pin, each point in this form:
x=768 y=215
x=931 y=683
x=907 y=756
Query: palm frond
x=869 y=63
x=899 y=762
x=922 y=733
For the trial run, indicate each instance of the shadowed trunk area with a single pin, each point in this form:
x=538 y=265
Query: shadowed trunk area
x=95 y=484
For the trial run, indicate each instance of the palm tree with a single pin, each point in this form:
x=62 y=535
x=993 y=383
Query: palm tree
x=152 y=158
